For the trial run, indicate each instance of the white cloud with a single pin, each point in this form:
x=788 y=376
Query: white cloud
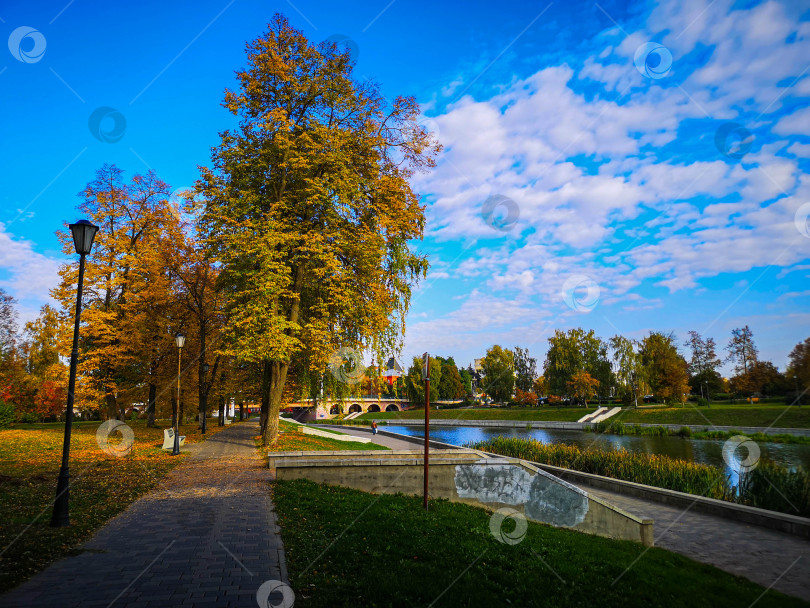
x=26 y=274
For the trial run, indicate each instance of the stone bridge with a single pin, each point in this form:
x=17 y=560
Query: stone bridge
x=350 y=405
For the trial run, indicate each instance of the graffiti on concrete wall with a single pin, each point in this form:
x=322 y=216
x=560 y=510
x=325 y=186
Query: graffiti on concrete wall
x=544 y=497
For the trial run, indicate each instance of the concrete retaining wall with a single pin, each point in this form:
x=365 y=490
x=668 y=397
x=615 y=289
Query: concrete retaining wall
x=798 y=526
x=473 y=478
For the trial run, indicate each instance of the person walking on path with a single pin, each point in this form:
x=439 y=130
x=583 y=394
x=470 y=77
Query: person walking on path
x=374 y=426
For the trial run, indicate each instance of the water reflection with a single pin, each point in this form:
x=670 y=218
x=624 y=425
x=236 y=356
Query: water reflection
x=705 y=451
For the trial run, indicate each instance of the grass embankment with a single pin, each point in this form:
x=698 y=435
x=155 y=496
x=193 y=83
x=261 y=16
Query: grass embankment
x=292 y=439
x=768 y=486
x=763 y=415
x=620 y=428
x=566 y=414
x=449 y=557
x=102 y=485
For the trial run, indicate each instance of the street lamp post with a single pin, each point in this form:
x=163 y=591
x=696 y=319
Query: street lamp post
x=181 y=341
x=83 y=234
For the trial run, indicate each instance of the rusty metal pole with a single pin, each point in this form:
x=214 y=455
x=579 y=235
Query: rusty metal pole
x=426 y=375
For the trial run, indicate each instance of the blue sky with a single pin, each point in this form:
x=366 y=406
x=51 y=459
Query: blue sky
x=621 y=167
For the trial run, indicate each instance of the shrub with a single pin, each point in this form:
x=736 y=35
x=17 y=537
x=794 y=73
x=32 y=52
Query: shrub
x=702 y=402
x=29 y=417
x=7 y=414
x=685 y=432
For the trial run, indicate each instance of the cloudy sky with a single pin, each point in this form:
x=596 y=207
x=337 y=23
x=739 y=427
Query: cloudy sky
x=624 y=167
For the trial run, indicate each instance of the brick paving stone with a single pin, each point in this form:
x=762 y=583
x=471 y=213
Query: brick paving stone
x=176 y=545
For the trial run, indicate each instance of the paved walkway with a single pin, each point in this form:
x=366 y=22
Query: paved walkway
x=207 y=536
x=765 y=556
x=389 y=440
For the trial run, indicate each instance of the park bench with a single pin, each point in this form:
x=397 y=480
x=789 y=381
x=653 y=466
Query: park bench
x=228 y=420
x=168 y=439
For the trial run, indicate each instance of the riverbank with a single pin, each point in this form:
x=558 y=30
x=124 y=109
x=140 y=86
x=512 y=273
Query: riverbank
x=773 y=434
x=776 y=416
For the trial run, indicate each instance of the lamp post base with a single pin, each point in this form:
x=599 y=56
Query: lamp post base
x=176 y=450
x=61 y=512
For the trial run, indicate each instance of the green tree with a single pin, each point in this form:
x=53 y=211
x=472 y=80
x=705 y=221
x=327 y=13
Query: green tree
x=310 y=212
x=525 y=369
x=451 y=386
x=499 y=373
x=664 y=367
x=628 y=370
x=572 y=352
x=798 y=373
x=743 y=353
x=703 y=364
x=466 y=380
x=415 y=386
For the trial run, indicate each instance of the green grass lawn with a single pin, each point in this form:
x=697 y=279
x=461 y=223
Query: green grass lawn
x=764 y=415
x=395 y=554
x=102 y=485
x=778 y=415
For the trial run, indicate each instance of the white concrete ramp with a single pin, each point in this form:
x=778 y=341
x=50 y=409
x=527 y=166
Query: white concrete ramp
x=606 y=415
x=352 y=415
x=592 y=415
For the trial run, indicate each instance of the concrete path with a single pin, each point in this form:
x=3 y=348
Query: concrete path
x=768 y=557
x=762 y=555
x=389 y=440
x=207 y=536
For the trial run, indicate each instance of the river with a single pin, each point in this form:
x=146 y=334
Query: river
x=705 y=451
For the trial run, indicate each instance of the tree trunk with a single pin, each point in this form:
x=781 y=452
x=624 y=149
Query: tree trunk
x=150 y=407
x=265 y=409
x=241 y=411
x=277 y=380
x=112 y=406
x=221 y=410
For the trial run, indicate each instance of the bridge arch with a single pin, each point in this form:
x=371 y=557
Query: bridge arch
x=335 y=409
x=392 y=407
x=355 y=407
x=374 y=407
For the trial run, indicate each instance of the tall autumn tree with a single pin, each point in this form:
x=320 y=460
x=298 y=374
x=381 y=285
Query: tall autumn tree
x=664 y=368
x=309 y=210
x=131 y=216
